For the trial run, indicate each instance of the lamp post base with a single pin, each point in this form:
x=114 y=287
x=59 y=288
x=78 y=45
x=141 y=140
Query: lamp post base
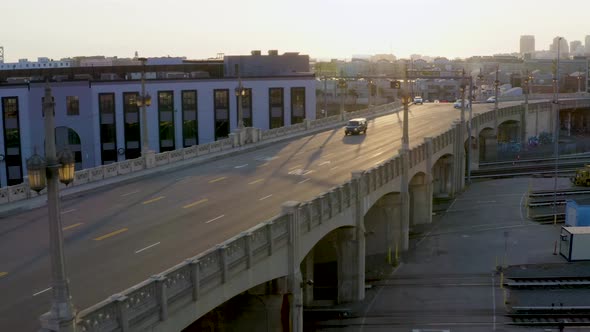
x=149 y=158
x=50 y=323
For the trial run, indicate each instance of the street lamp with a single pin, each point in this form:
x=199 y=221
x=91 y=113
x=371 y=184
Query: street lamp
x=143 y=101
x=372 y=91
x=48 y=171
x=342 y=85
x=240 y=92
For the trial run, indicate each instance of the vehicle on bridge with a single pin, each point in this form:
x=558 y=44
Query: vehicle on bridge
x=356 y=126
x=582 y=177
x=418 y=100
x=457 y=104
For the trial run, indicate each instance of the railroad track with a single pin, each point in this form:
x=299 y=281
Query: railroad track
x=548 y=282
x=537 y=167
x=553 y=315
x=550 y=319
x=540 y=203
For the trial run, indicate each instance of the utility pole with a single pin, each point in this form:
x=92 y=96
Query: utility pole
x=469 y=149
x=325 y=97
x=556 y=143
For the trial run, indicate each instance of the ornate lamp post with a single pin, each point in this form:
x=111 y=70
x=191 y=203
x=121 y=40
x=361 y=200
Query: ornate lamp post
x=61 y=315
x=143 y=101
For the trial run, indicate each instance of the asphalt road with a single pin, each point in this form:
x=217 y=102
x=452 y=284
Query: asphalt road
x=118 y=236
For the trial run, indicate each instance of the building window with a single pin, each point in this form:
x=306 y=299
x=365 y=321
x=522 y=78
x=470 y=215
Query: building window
x=276 y=108
x=297 y=105
x=221 y=110
x=12 y=147
x=190 y=120
x=132 y=125
x=166 y=120
x=73 y=105
x=108 y=129
x=246 y=108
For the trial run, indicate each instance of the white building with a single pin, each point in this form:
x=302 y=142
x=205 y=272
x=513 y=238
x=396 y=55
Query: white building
x=101 y=123
x=41 y=63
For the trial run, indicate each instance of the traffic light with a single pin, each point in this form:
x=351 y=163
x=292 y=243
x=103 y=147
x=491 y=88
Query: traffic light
x=395 y=84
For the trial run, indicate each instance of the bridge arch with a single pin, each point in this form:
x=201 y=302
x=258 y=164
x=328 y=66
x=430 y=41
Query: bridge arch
x=442 y=176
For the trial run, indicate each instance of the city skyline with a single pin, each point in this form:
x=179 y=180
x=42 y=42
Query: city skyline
x=323 y=30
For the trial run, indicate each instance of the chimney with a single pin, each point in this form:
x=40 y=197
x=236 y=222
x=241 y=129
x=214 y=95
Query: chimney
x=273 y=52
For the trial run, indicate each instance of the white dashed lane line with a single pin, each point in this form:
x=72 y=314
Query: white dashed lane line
x=146 y=248
x=265 y=197
x=43 y=291
x=216 y=218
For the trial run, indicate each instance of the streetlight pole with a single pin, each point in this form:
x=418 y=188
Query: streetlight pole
x=469 y=129
x=496 y=90
x=143 y=101
x=325 y=96
x=556 y=143
x=61 y=315
x=342 y=85
x=240 y=92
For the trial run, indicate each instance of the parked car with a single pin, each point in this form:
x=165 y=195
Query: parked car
x=418 y=100
x=356 y=126
x=492 y=99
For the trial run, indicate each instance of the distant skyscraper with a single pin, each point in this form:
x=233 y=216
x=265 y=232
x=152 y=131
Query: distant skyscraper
x=527 y=44
x=563 y=47
x=576 y=48
x=587 y=44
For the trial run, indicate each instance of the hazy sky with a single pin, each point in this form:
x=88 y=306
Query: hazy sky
x=321 y=28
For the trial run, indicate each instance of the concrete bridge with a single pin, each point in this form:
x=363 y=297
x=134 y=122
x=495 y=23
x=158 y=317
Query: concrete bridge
x=358 y=225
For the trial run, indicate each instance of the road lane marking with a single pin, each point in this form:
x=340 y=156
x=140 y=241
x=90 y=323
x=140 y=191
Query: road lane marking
x=256 y=181
x=43 y=291
x=380 y=161
x=333 y=168
x=218 y=179
x=111 y=234
x=153 y=200
x=325 y=163
x=294 y=167
x=298 y=153
x=195 y=203
x=308 y=172
x=130 y=193
x=265 y=197
x=212 y=220
x=72 y=226
x=2 y=274
x=377 y=154
x=241 y=166
x=303 y=181
x=481 y=202
x=68 y=211
x=146 y=248
x=262 y=165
